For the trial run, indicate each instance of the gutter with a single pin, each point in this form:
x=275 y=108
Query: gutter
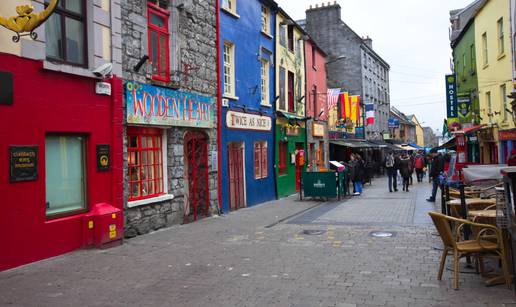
x=219 y=111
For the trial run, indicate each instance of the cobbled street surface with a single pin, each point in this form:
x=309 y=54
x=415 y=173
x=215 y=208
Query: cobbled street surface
x=261 y=256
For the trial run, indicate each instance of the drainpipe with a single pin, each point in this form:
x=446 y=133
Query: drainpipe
x=219 y=111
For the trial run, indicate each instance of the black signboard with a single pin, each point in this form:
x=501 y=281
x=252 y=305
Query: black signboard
x=23 y=163
x=6 y=88
x=103 y=157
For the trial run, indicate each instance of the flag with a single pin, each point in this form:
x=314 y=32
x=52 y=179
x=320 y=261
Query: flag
x=446 y=129
x=369 y=113
x=345 y=110
x=333 y=97
x=354 y=113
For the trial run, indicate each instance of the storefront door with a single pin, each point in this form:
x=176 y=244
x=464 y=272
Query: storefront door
x=236 y=176
x=196 y=154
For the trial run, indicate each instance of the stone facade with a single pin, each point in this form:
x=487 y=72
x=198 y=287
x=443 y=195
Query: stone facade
x=353 y=65
x=192 y=58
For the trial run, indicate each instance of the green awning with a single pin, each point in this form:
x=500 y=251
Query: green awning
x=290 y=115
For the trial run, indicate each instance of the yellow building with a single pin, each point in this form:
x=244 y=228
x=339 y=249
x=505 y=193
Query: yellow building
x=290 y=104
x=420 y=137
x=494 y=69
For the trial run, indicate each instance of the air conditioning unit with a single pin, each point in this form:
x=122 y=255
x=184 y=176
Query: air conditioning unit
x=225 y=102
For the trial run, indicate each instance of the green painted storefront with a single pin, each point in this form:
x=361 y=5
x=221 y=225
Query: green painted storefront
x=286 y=181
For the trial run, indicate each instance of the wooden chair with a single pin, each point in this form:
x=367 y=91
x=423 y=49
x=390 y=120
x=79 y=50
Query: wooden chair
x=477 y=247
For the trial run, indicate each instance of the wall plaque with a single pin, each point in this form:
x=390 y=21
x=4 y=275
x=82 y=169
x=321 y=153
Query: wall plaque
x=23 y=163
x=103 y=157
x=318 y=130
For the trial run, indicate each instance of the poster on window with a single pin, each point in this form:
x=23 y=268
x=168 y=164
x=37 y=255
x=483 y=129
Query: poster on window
x=153 y=105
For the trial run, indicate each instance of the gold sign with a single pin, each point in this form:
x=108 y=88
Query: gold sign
x=27 y=21
x=318 y=130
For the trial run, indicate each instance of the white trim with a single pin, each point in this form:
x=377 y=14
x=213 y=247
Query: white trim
x=164 y=153
x=229 y=12
x=157 y=199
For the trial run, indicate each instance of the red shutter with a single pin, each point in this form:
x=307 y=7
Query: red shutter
x=264 y=160
x=257 y=173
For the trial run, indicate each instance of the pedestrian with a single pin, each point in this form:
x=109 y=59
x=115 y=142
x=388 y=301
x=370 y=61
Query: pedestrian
x=412 y=161
x=405 y=170
x=390 y=166
x=436 y=169
x=358 y=174
x=419 y=165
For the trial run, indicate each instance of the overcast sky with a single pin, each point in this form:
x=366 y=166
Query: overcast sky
x=412 y=36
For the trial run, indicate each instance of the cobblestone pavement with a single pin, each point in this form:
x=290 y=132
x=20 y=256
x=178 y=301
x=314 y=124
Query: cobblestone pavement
x=247 y=258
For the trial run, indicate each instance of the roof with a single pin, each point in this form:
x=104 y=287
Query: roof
x=401 y=116
x=465 y=18
x=468 y=130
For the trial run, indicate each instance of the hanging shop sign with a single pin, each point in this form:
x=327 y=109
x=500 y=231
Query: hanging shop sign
x=246 y=121
x=23 y=163
x=103 y=157
x=318 y=130
x=393 y=123
x=451 y=96
x=464 y=106
x=152 y=105
x=359 y=132
x=507 y=135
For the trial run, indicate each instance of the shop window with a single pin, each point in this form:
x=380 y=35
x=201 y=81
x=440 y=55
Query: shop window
x=265 y=20
x=265 y=83
x=65 y=178
x=229 y=69
x=65 y=33
x=260 y=160
x=145 y=163
x=282 y=158
x=157 y=23
x=229 y=5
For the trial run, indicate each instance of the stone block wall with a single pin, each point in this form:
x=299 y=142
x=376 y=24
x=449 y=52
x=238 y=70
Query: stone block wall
x=193 y=59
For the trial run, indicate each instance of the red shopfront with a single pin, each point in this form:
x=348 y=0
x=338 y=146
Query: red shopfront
x=61 y=161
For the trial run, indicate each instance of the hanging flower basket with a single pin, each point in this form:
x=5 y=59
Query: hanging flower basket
x=291 y=130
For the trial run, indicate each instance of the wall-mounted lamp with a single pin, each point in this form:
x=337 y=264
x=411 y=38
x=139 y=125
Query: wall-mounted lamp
x=140 y=63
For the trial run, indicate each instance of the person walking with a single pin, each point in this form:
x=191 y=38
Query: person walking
x=406 y=170
x=390 y=166
x=358 y=174
x=419 y=165
x=436 y=169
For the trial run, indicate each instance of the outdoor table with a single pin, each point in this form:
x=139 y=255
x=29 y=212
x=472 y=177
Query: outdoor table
x=454 y=205
x=487 y=214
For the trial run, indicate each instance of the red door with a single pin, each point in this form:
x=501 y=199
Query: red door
x=236 y=176
x=300 y=161
x=196 y=154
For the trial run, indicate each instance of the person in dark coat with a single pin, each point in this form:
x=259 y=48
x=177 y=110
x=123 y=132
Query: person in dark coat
x=390 y=166
x=436 y=168
x=358 y=171
x=406 y=170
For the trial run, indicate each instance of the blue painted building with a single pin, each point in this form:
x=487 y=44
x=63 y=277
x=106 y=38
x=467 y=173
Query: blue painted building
x=247 y=30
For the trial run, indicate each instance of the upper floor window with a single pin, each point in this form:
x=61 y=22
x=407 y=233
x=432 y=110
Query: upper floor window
x=290 y=36
x=265 y=82
x=157 y=22
x=313 y=57
x=282 y=91
x=229 y=69
x=229 y=5
x=500 y=36
x=65 y=33
x=472 y=58
x=282 y=35
x=484 y=49
x=265 y=20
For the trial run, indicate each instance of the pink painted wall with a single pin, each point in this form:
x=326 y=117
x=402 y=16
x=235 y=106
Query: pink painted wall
x=315 y=77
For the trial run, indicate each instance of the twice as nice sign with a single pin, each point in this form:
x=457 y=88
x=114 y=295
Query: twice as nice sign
x=239 y=120
x=152 y=105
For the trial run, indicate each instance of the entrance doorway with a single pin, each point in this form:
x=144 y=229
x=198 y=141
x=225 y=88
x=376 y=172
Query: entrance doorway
x=300 y=161
x=197 y=203
x=236 y=176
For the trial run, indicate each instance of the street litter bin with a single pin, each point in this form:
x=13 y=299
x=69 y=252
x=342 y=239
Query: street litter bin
x=320 y=184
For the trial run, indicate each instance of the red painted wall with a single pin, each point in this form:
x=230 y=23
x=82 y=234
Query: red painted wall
x=315 y=75
x=46 y=102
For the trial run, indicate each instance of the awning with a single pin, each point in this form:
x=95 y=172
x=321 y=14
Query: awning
x=416 y=146
x=468 y=130
x=450 y=144
x=406 y=147
x=351 y=144
x=290 y=115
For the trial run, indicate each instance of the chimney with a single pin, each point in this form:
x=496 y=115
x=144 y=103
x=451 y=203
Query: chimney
x=368 y=41
x=328 y=10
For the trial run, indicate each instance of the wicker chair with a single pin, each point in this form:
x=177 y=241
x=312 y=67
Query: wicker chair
x=477 y=247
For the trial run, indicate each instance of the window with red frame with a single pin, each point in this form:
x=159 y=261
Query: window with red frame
x=157 y=22
x=282 y=159
x=260 y=160
x=145 y=163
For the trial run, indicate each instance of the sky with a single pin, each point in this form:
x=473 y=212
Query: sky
x=412 y=36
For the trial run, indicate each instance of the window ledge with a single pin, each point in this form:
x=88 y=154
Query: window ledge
x=485 y=66
x=266 y=34
x=501 y=56
x=69 y=69
x=157 y=199
x=231 y=13
x=228 y=96
x=266 y=105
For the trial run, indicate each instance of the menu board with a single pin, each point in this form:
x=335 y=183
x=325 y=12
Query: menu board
x=23 y=163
